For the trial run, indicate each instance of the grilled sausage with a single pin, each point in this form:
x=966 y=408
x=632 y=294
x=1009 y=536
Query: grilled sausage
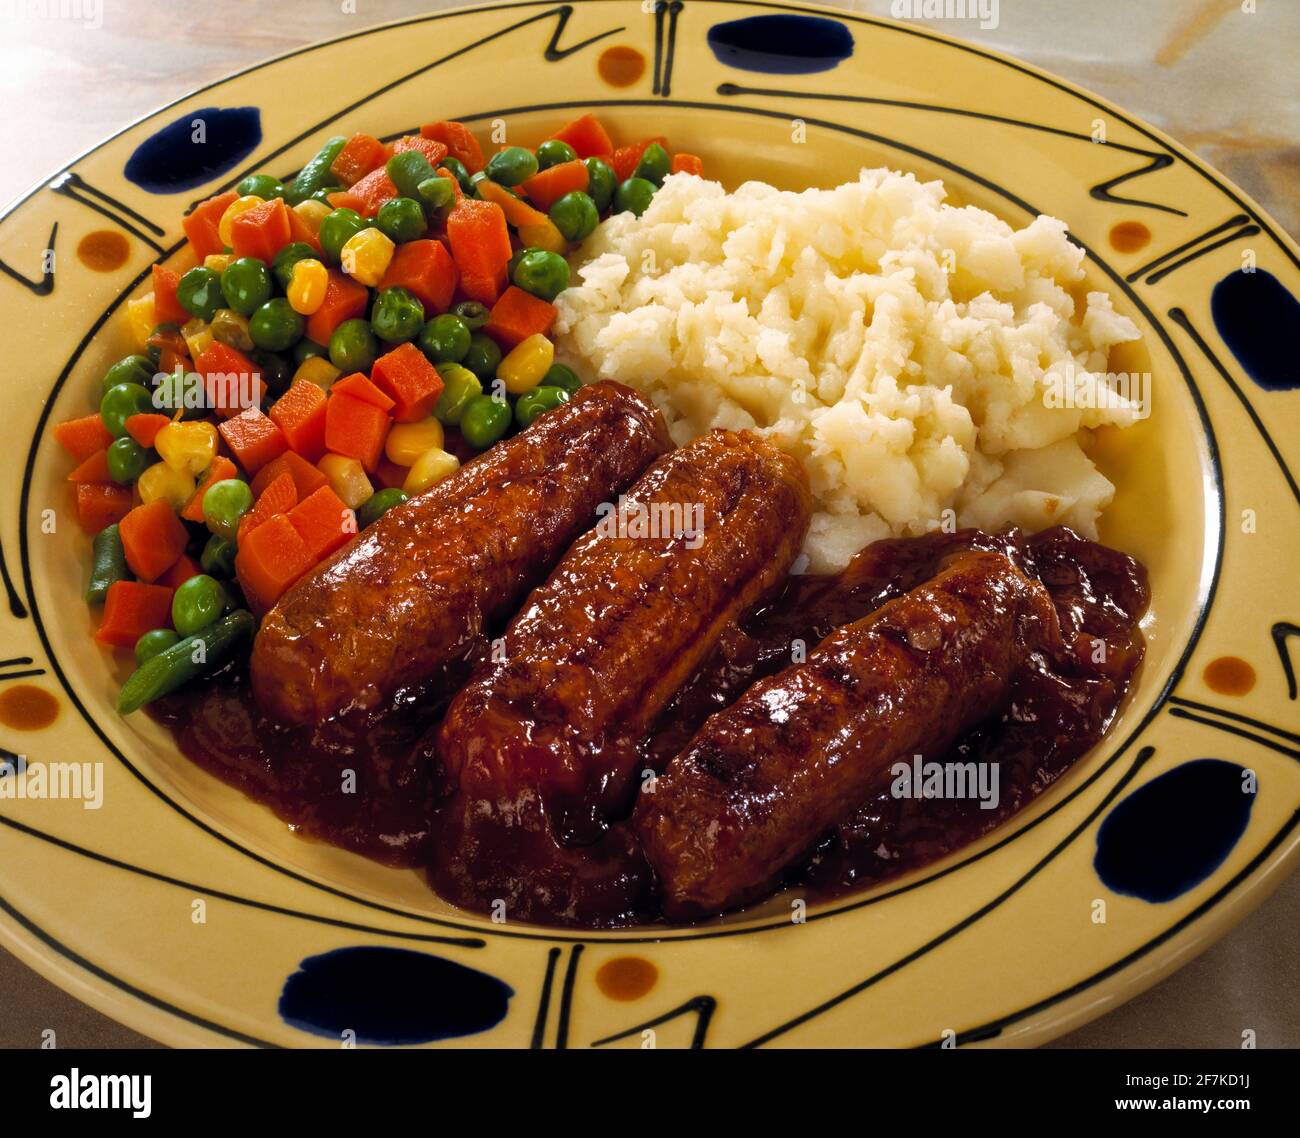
x=762 y=780
x=414 y=591
x=632 y=610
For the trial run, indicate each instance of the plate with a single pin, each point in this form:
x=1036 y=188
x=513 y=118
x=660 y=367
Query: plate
x=180 y=908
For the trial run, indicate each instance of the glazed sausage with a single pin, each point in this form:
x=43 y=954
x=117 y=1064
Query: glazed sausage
x=629 y=613
x=415 y=590
x=761 y=781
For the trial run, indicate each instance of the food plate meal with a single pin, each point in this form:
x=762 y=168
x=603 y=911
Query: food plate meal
x=742 y=552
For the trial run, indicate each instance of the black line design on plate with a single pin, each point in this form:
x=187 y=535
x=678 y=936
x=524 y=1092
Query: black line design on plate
x=544 y=1001
x=554 y=53
x=566 y=998
x=665 y=47
x=6 y=676
x=1271 y=744
x=42 y=287
x=1247 y=230
x=1212 y=709
x=74 y=186
x=233 y=898
x=1281 y=631
x=1158 y=159
x=703 y=1008
x=1179 y=317
x=15 y=660
x=17 y=609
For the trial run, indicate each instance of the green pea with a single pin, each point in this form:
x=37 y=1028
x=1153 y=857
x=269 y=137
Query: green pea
x=459 y=386
x=445 y=339
x=246 y=285
x=284 y=261
x=537 y=402
x=262 y=186
x=437 y=192
x=633 y=196
x=130 y=369
x=120 y=403
x=275 y=326
x=306 y=349
x=377 y=505
x=544 y=274
x=199 y=292
x=224 y=503
x=511 y=166
x=408 y=170
x=601 y=181
x=316 y=175
x=457 y=167
x=483 y=356
x=654 y=165
x=337 y=229
x=276 y=370
x=353 y=346
x=151 y=643
x=553 y=152
x=563 y=377
x=127 y=460
x=397 y=315
x=196 y=604
x=402 y=219
x=473 y=313
x=484 y=421
x=218 y=556
x=575 y=215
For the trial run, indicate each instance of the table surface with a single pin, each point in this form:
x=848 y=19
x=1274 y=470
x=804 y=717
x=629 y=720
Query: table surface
x=1218 y=79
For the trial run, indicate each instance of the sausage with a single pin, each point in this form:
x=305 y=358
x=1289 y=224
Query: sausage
x=762 y=780
x=414 y=591
x=629 y=613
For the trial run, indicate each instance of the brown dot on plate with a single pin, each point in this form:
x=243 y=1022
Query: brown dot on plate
x=25 y=707
x=1229 y=675
x=1129 y=236
x=104 y=250
x=626 y=977
x=621 y=66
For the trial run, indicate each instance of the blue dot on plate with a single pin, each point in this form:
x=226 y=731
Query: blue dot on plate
x=781 y=45
x=1172 y=833
x=195 y=148
x=391 y=996
x=1259 y=320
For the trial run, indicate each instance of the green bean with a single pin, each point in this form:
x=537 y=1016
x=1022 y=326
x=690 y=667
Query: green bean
x=193 y=657
x=107 y=563
x=316 y=173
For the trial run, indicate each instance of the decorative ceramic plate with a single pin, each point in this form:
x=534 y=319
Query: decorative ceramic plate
x=186 y=911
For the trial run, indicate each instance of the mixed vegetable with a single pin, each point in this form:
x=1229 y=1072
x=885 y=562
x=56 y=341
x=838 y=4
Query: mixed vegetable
x=343 y=341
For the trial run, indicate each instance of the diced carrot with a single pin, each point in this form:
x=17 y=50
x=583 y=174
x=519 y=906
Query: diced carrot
x=270 y=559
x=166 y=308
x=359 y=387
x=518 y=315
x=300 y=414
x=410 y=380
x=687 y=164
x=262 y=231
x=299 y=230
x=152 y=539
x=144 y=427
x=219 y=469
x=172 y=349
x=94 y=469
x=200 y=224
x=372 y=191
x=306 y=478
x=425 y=269
x=355 y=429
x=323 y=522
x=433 y=150
x=343 y=199
x=587 y=137
x=345 y=299
x=100 y=504
x=231 y=380
x=82 y=437
x=132 y=608
x=549 y=186
x=456 y=191
x=278 y=498
x=458 y=140
x=361 y=154
x=181 y=571
x=480 y=244
x=253 y=438
x=518 y=212
x=389 y=475
x=626 y=157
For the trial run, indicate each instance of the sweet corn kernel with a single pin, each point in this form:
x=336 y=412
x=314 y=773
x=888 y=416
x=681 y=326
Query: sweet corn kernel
x=527 y=363
x=543 y=235
x=317 y=370
x=225 y=227
x=307 y=284
x=140 y=319
x=175 y=487
x=366 y=255
x=231 y=327
x=187 y=447
x=312 y=213
x=347 y=478
x=432 y=466
x=406 y=442
x=198 y=336
x=217 y=262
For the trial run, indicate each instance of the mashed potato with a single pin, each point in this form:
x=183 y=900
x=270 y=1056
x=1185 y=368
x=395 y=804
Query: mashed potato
x=905 y=350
